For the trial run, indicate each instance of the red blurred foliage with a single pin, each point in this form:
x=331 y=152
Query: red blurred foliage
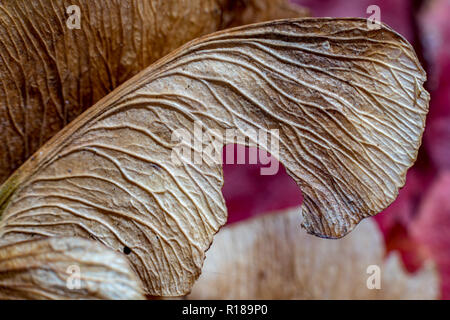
x=395 y=13
x=248 y=193
x=395 y=221
x=417 y=224
x=436 y=33
x=432 y=227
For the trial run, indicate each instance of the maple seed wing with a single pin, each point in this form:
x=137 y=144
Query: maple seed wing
x=348 y=103
x=65 y=268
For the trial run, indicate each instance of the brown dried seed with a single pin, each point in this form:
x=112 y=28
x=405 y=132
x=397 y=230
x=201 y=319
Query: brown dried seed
x=49 y=74
x=65 y=268
x=348 y=102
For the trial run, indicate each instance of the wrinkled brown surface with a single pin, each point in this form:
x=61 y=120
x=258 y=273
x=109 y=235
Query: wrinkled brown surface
x=269 y=258
x=41 y=269
x=49 y=73
x=242 y=12
x=350 y=109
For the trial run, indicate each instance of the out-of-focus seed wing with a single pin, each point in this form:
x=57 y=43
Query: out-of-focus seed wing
x=65 y=268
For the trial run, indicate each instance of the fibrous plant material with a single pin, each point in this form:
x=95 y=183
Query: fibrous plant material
x=268 y=258
x=50 y=73
x=65 y=268
x=242 y=12
x=347 y=101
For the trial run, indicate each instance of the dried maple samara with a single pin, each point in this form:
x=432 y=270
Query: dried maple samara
x=57 y=58
x=347 y=101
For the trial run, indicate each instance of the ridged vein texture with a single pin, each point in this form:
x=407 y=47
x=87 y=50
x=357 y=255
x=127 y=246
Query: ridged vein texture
x=348 y=103
x=49 y=74
x=65 y=268
x=268 y=258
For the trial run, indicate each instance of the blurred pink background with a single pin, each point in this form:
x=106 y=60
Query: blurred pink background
x=417 y=224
